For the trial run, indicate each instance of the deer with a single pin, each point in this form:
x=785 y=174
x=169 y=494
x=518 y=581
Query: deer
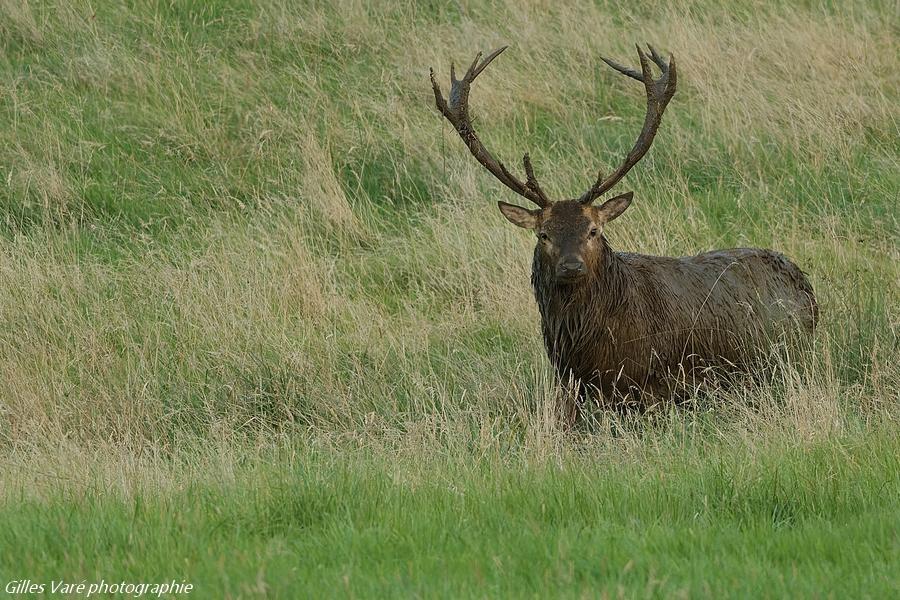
x=628 y=329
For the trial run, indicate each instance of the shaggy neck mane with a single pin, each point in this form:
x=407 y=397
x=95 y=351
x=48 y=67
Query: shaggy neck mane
x=574 y=317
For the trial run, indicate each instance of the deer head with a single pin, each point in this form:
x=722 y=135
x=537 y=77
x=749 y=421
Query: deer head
x=570 y=240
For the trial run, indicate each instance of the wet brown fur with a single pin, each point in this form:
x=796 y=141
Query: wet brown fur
x=644 y=328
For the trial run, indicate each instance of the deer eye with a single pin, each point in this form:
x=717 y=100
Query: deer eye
x=593 y=232
x=544 y=237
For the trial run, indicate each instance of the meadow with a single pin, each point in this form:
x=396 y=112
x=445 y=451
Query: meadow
x=263 y=329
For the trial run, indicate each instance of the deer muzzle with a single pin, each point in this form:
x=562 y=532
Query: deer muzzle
x=570 y=268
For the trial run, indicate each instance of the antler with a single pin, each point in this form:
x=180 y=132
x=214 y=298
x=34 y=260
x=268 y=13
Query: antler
x=457 y=112
x=659 y=92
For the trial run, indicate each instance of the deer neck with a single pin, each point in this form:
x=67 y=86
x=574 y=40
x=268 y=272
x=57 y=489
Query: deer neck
x=575 y=317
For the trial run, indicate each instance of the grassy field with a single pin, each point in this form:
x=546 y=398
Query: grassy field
x=263 y=330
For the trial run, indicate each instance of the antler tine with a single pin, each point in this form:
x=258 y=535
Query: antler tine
x=646 y=70
x=659 y=93
x=457 y=112
x=488 y=60
x=531 y=183
x=657 y=58
x=623 y=69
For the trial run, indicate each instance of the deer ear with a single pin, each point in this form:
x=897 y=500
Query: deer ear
x=518 y=215
x=613 y=207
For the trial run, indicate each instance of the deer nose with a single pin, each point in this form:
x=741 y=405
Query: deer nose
x=570 y=267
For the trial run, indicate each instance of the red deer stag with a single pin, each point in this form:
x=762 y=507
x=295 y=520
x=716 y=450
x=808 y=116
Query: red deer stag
x=637 y=328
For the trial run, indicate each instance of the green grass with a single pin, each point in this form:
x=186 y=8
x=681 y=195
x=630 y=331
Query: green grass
x=714 y=520
x=263 y=329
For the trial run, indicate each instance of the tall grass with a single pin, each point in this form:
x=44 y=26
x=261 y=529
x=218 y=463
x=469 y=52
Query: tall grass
x=237 y=239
